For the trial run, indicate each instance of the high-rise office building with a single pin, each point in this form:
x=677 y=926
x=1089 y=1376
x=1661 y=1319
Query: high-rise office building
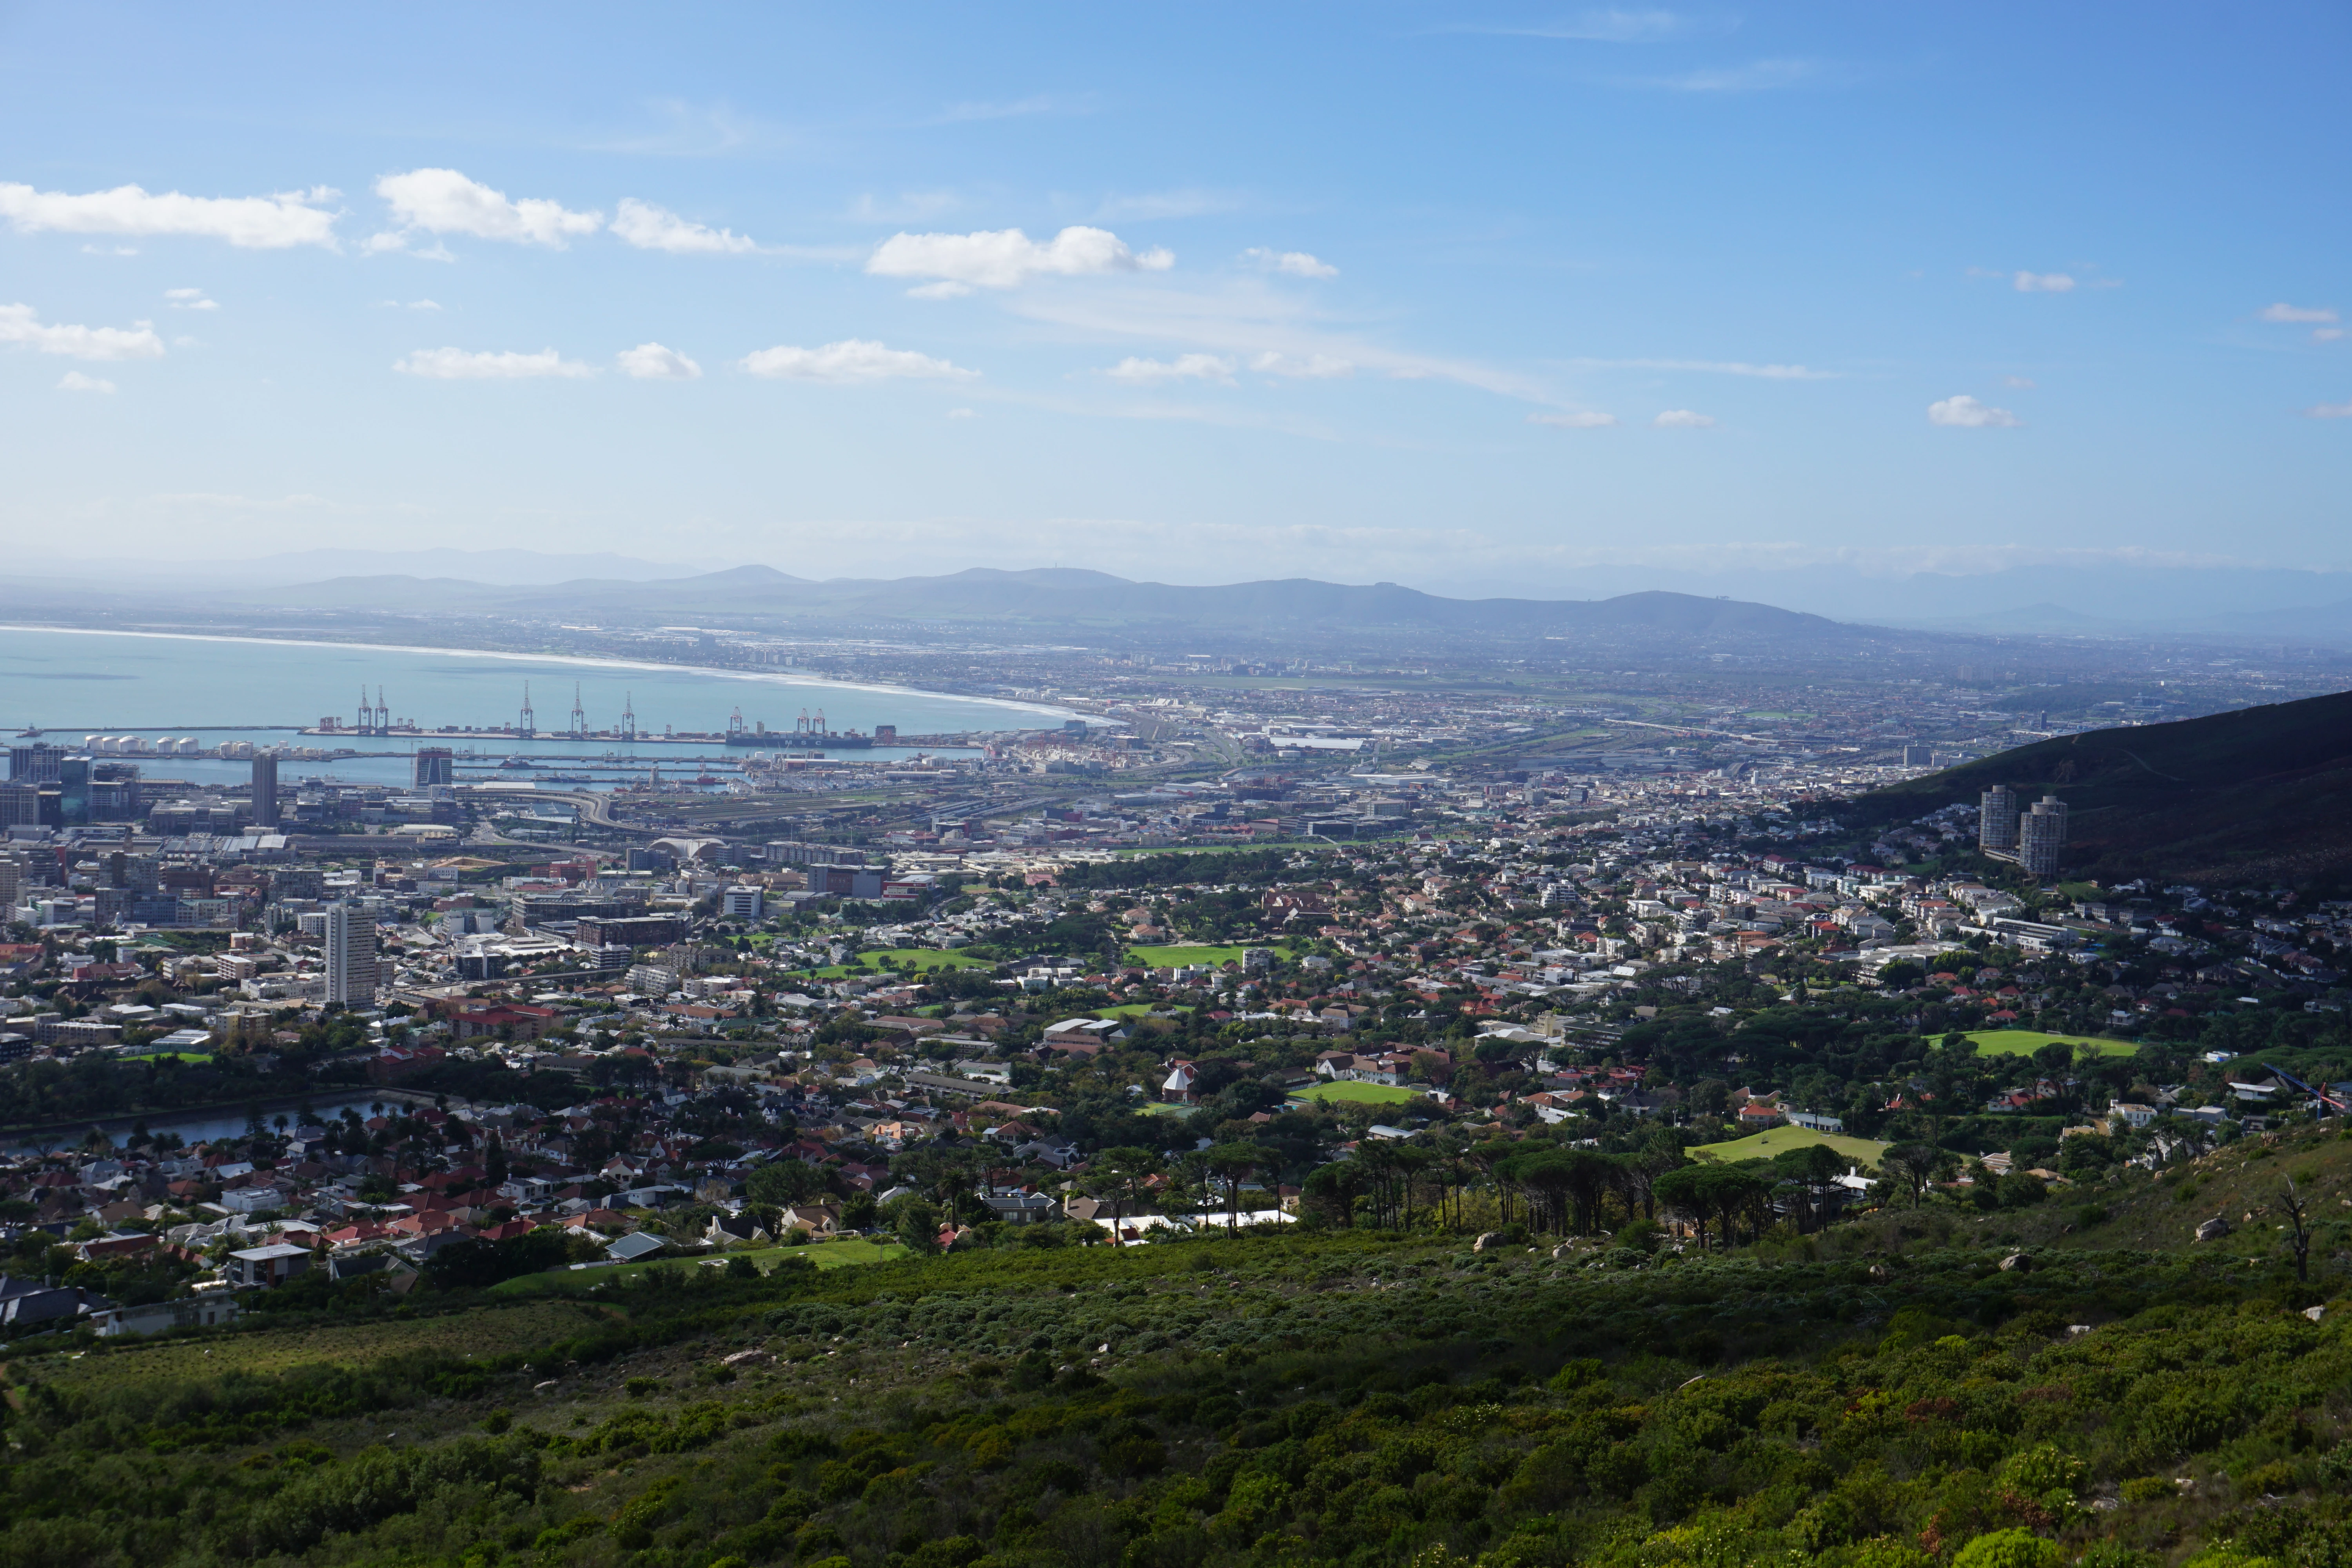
x=11 y=882
x=2041 y=835
x=20 y=805
x=36 y=763
x=114 y=792
x=350 y=956
x=1997 y=821
x=265 y=789
x=435 y=765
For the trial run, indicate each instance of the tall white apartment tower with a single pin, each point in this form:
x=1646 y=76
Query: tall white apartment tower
x=350 y=956
x=2041 y=835
x=1997 y=821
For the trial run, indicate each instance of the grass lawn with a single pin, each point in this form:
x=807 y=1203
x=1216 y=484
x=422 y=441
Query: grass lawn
x=1777 y=1141
x=525 y=1326
x=824 y=1254
x=1359 y=1093
x=1169 y=957
x=920 y=957
x=2025 y=1042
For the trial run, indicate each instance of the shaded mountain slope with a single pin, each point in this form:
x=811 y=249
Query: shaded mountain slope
x=2262 y=794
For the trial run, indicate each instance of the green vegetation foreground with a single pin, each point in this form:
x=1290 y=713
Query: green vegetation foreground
x=1358 y=1399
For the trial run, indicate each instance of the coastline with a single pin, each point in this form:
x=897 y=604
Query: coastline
x=578 y=660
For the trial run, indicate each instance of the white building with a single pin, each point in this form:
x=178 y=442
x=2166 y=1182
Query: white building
x=350 y=956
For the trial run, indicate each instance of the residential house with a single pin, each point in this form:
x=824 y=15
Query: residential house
x=264 y=1267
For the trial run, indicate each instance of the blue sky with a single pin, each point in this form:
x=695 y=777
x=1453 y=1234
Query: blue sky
x=1476 y=297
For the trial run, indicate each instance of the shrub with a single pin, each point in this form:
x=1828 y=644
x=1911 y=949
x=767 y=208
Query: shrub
x=2043 y=1470
x=2009 y=1549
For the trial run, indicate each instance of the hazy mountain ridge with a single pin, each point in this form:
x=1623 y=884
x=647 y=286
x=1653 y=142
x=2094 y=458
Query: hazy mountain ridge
x=1063 y=596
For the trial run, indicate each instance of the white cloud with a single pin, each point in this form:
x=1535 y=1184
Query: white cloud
x=251 y=223
x=2023 y=383
x=1714 y=367
x=1297 y=263
x=853 y=362
x=1580 y=421
x=456 y=365
x=443 y=201
x=190 y=299
x=74 y=381
x=1183 y=367
x=651 y=361
x=961 y=413
x=1319 y=367
x=2326 y=335
x=20 y=324
x=2042 y=283
x=1962 y=412
x=1277 y=331
x=649 y=227
x=1005 y=258
x=2296 y=315
x=1684 y=419
x=2329 y=411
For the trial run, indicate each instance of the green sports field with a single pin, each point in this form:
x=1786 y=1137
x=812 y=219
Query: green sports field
x=1359 y=1093
x=1170 y=957
x=1777 y=1141
x=2025 y=1042
x=920 y=957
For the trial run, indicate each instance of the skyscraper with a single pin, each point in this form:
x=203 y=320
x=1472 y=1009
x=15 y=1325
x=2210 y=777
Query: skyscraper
x=350 y=956
x=265 y=789
x=435 y=765
x=1997 y=821
x=36 y=763
x=2042 y=834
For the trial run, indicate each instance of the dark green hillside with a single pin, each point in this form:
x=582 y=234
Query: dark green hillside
x=2263 y=794
x=1268 y=1402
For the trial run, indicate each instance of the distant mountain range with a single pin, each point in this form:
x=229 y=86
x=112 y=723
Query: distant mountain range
x=2261 y=795
x=1047 y=598
x=2240 y=605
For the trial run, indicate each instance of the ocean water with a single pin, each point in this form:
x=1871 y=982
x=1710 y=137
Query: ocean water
x=71 y=684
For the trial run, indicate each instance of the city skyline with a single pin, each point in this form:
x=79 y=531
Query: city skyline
x=1473 y=302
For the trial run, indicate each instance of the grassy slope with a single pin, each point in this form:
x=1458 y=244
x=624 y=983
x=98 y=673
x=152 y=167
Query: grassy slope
x=1775 y=1141
x=1268 y=1357
x=2244 y=1178
x=577 y=1282
x=2261 y=795
x=266 y=1349
x=1264 y=1399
